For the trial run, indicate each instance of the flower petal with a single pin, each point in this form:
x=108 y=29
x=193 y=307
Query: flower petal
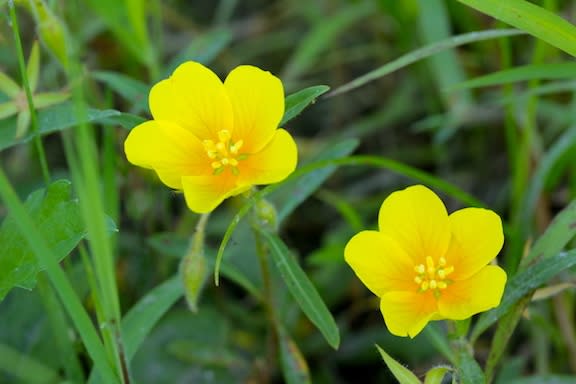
x=379 y=263
x=407 y=313
x=204 y=193
x=257 y=99
x=417 y=219
x=273 y=163
x=167 y=148
x=195 y=98
x=479 y=293
x=477 y=238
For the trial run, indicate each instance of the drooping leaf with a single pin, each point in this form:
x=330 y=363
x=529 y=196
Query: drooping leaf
x=302 y=288
x=468 y=369
x=400 y=372
x=59 y=220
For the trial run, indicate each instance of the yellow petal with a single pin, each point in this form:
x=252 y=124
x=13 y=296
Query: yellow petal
x=417 y=219
x=379 y=263
x=477 y=238
x=273 y=163
x=407 y=313
x=257 y=99
x=195 y=98
x=169 y=149
x=204 y=193
x=479 y=293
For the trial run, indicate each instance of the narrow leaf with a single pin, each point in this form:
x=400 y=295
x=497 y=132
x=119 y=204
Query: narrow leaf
x=468 y=368
x=302 y=289
x=423 y=53
x=294 y=366
x=400 y=372
x=8 y=86
x=524 y=283
x=33 y=67
x=531 y=18
x=296 y=102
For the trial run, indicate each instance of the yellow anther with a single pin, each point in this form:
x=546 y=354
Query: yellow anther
x=432 y=275
x=224 y=135
x=224 y=152
x=420 y=269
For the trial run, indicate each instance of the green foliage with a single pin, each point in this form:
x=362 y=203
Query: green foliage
x=58 y=218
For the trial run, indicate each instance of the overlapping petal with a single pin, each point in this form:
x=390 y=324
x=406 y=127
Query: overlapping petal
x=257 y=99
x=273 y=163
x=195 y=98
x=379 y=263
x=477 y=237
x=417 y=219
x=478 y=293
x=407 y=313
x=167 y=148
x=204 y=193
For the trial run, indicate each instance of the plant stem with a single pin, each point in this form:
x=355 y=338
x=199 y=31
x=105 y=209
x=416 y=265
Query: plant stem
x=28 y=91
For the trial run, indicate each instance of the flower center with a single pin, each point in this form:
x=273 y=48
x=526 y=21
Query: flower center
x=432 y=276
x=224 y=153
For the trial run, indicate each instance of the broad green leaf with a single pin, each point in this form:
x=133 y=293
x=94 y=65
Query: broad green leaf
x=525 y=73
x=51 y=120
x=294 y=192
x=296 y=102
x=537 y=21
x=524 y=283
x=294 y=366
x=423 y=53
x=302 y=288
x=58 y=218
x=400 y=372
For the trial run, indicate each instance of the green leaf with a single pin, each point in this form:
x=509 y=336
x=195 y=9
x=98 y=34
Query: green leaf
x=294 y=366
x=33 y=67
x=294 y=192
x=423 y=53
x=24 y=367
x=468 y=369
x=436 y=375
x=302 y=289
x=296 y=102
x=8 y=109
x=537 y=21
x=8 y=86
x=524 y=283
x=59 y=220
x=139 y=321
x=54 y=119
x=46 y=99
x=134 y=91
x=544 y=379
x=524 y=73
x=400 y=372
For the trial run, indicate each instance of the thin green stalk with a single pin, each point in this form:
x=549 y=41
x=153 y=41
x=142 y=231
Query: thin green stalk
x=28 y=91
x=58 y=279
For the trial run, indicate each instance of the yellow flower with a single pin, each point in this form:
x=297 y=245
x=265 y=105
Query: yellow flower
x=213 y=140
x=426 y=265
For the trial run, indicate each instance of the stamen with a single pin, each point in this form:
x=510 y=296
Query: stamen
x=225 y=153
x=433 y=276
x=420 y=269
